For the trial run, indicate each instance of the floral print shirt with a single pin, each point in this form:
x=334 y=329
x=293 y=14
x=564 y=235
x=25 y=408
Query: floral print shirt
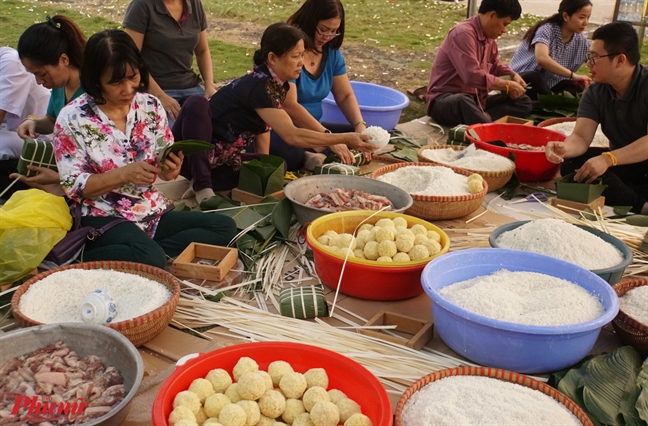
x=87 y=142
x=235 y=122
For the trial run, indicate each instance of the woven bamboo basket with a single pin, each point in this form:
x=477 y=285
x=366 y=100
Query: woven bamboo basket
x=556 y=120
x=507 y=376
x=631 y=331
x=433 y=207
x=495 y=180
x=138 y=330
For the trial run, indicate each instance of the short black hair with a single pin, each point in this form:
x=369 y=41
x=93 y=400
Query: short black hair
x=115 y=50
x=45 y=42
x=619 y=37
x=503 y=8
x=279 y=38
x=313 y=11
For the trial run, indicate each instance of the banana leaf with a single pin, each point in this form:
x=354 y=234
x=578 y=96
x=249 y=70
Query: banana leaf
x=637 y=220
x=622 y=210
x=572 y=385
x=263 y=176
x=644 y=244
x=282 y=216
x=403 y=153
x=244 y=216
x=188 y=147
x=213 y=203
x=557 y=101
x=642 y=400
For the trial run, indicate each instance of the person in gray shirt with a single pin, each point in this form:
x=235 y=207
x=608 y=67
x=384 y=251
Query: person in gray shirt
x=618 y=100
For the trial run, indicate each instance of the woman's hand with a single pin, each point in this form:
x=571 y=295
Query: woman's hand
x=593 y=168
x=343 y=152
x=172 y=165
x=27 y=129
x=357 y=141
x=46 y=179
x=171 y=106
x=140 y=173
x=555 y=152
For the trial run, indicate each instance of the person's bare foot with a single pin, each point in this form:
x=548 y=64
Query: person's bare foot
x=312 y=159
x=644 y=210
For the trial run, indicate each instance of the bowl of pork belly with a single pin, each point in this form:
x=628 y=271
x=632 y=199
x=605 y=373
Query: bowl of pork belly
x=68 y=373
x=318 y=195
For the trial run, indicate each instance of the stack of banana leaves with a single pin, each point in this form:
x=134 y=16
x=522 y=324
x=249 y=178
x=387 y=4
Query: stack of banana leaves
x=405 y=147
x=562 y=104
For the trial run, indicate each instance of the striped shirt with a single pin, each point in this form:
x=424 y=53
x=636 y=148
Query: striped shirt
x=570 y=55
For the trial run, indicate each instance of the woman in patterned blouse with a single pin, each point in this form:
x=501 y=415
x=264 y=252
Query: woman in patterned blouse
x=554 y=49
x=245 y=110
x=106 y=144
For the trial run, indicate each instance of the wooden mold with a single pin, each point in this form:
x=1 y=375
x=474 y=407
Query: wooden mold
x=572 y=206
x=250 y=198
x=509 y=119
x=420 y=330
x=205 y=261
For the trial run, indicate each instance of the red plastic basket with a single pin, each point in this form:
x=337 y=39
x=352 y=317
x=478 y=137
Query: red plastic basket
x=530 y=166
x=343 y=373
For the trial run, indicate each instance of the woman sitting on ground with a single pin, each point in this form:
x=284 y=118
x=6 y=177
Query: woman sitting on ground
x=106 y=144
x=324 y=71
x=244 y=111
x=554 y=49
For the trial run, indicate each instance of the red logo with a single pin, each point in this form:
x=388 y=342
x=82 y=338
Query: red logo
x=42 y=408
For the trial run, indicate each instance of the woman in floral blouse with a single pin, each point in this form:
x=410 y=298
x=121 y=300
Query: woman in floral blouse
x=106 y=144
x=246 y=109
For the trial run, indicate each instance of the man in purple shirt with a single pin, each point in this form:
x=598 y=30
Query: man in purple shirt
x=467 y=68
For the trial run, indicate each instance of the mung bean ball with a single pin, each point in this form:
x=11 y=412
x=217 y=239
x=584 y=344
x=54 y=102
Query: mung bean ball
x=387 y=248
x=419 y=239
x=419 y=229
x=385 y=234
x=433 y=235
x=279 y=424
x=384 y=259
x=294 y=407
x=232 y=415
x=403 y=230
x=475 y=176
x=359 y=254
x=432 y=246
x=293 y=385
x=266 y=379
x=187 y=399
x=277 y=369
x=272 y=403
x=232 y=393
x=385 y=223
x=215 y=403
x=475 y=186
x=334 y=241
x=343 y=252
x=220 y=379
x=265 y=421
x=404 y=242
x=201 y=416
x=324 y=240
x=186 y=422
x=303 y=420
x=251 y=386
x=203 y=388
x=401 y=257
x=212 y=422
x=347 y=408
x=313 y=395
x=419 y=252
x=336 y=395
x=361 y=239
x=366 y=226
x=330 y=233
x=317 y=377
x=252 y=412
x=400 y=221
x=346 y=241
x=181 y=413
x=357 y=419
x=325 y=413
x=371 y=250
x=244 y=365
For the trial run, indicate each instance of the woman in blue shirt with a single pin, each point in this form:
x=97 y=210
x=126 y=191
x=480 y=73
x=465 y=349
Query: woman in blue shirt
x=554 y=49
x=324 y=71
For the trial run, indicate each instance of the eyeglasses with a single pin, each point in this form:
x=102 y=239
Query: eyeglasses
x=326 y=35
x=592 y=59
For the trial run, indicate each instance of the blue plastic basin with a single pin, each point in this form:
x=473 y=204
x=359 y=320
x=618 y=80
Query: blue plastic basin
x=379 y=105
x=612 y=274
x=517 y=347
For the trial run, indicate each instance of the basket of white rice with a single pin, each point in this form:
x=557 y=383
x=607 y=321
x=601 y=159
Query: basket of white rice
x=495 y=169
x=146 y=297
x=631 y=323
x=438 y=192
x=482 y=395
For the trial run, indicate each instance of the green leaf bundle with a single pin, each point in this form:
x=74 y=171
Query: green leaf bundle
x=262 y=177
x=188 y=147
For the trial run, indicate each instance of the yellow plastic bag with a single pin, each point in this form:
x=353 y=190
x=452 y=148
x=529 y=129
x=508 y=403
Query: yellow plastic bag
x=31 y=223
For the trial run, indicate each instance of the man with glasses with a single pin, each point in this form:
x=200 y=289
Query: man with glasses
x=467 y=68
x=618 y=100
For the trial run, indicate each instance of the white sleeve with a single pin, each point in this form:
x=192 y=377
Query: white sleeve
x=15 y=84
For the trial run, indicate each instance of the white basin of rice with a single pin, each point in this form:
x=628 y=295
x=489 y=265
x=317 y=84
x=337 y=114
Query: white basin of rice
x=474 y=400
x=562 y=240
x=57 y=298
x=469 y=158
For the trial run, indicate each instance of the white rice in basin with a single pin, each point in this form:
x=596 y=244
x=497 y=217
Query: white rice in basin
x=470 y=158
x=635 y=303
x=562 y=240
x=526 y=298
x=473 y=400
x=57 y=298
x=428 y=180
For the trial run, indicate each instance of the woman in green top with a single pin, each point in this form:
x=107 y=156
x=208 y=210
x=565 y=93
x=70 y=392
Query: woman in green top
x=53 y=52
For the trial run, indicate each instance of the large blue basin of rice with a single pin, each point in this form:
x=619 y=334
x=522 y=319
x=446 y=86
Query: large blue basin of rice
x=500 y=344
x=380 y=106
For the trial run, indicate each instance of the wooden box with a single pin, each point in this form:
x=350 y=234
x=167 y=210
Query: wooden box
x=573 y=206
x=420 y=330
x=250 y=198
x=205 y=261
x=509 y=119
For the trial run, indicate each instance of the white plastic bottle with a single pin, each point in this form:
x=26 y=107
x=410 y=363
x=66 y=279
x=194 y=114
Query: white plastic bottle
x=622 y=15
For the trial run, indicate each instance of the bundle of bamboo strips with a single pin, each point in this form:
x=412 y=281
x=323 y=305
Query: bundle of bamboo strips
x=396 y=366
